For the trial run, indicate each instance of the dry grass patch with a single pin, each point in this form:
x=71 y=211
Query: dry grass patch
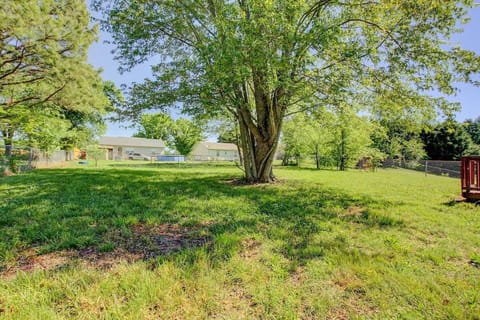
x=143 y=242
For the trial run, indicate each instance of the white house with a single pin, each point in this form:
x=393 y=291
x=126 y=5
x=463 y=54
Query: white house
x=204 y=151
x=118 y=148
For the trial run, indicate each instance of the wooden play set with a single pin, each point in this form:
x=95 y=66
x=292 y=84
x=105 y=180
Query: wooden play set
x=470 y=174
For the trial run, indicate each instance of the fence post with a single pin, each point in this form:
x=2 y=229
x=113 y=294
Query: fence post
x=426 y=167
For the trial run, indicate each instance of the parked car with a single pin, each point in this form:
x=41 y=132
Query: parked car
x=137 y=156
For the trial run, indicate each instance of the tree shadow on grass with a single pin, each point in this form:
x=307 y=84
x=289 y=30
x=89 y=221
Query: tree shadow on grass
x=93 y=214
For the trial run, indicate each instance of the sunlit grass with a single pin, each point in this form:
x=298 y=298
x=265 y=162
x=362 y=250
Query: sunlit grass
x=318 y=244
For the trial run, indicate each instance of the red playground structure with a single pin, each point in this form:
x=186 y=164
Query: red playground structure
x=470 y=173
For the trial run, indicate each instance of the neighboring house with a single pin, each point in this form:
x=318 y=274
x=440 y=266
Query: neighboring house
x=205 y=151
x=118 y=148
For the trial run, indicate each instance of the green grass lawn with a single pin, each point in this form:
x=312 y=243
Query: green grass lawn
x=150 y=241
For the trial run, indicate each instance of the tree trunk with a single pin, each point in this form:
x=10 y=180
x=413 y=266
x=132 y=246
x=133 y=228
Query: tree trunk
x=259 y=113
x=238 y=142
x=8 y=140
x=258 y=154
x=317 y=157
x=8 y=148
x=285 y=159
x=343 y=156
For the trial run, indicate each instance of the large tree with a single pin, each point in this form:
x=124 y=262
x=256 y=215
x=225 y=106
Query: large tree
x=258 y=59
x=44 y=71
x=42 y=48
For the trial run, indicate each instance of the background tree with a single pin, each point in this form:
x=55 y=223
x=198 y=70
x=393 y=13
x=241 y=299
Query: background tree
x=155 y=126
x=44 y=71
x=447 y=141
x=46 y=133
x=95 y=153
x=184 y=135
x=42 y=47
x=351 y=136
x=293 y=141
x=227 y=131
x=309 y=135
x=258 y=59
x=180 y=134
x=473 y=129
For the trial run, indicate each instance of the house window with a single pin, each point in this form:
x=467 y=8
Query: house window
x=218 y=153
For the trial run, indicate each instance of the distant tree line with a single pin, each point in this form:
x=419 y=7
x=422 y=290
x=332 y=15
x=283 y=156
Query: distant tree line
x=331 y=138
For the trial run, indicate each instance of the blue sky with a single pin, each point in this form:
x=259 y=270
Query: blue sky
x=469 y=97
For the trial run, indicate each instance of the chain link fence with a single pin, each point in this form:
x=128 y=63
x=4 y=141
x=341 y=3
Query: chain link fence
x=437 y=167
x=55 y=158
x=20 y=159
x=24 y=159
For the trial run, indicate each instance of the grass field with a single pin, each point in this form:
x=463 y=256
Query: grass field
x=169 y=242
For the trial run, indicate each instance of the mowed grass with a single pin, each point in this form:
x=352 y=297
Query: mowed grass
x=317 y=245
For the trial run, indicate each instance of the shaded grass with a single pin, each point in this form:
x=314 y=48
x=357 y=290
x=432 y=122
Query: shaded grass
x=322 y=244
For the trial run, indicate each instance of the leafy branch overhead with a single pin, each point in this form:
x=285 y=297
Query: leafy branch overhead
x=263 y=60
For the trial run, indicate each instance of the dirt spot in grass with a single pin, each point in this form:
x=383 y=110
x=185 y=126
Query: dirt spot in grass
x=142 y=242
x=238 y=304
x=353 y=211
x=250 y=249
x=106 y=260
x=7 y=173
x=352 y=305
x=338 y=314
x=354 y=300
x=157 y=240
x=297 y=276
x=29 y=261
x=243 y=182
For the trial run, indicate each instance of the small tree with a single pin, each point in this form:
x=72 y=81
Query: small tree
x=293 y=141
x=308 y=134
x=95 y=153
x=352 y=136
x=47 y=133
x=180 y=134
x=184 y=135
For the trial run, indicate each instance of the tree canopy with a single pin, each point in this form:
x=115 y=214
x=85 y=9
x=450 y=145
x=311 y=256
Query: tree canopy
x=262 y=60
x=42 y=46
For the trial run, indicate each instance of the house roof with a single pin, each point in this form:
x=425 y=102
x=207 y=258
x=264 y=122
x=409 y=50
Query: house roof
x=131 y=142
x=219 y=146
